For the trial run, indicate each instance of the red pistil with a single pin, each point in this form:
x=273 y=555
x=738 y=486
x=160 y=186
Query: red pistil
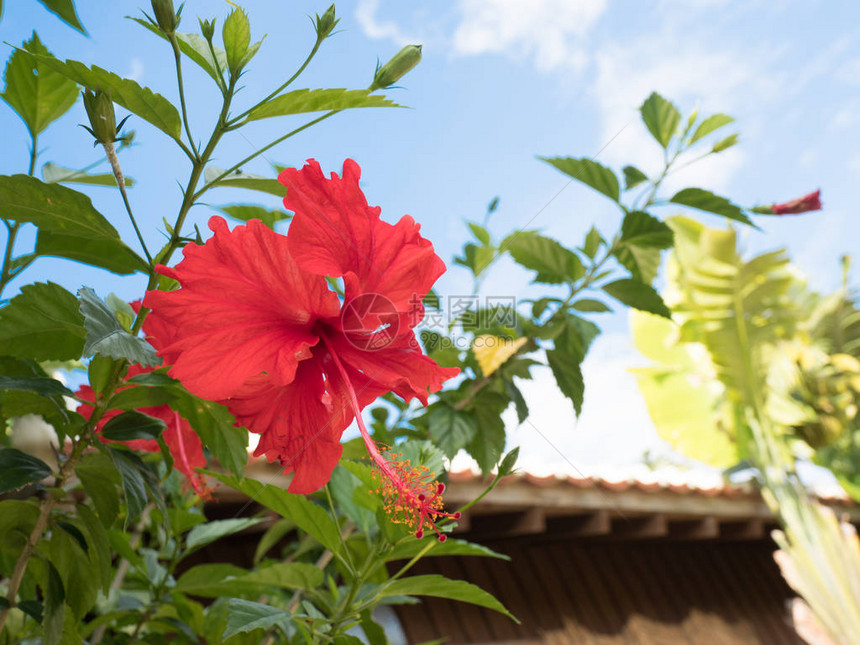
x=410 y=493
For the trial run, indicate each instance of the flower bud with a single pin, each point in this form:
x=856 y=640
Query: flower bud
x=165 y=15
x=395 y=69
x=810 y=202
x=207 y=28
x=325 y=23
x=99 y=109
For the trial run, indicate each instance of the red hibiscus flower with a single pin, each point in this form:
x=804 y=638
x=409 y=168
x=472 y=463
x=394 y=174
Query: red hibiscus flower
x=256 y=326
x=810 y=202
x=184 y=444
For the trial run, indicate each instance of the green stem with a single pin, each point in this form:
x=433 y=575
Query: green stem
x=333 y=512
x=120 y=182
x=256 y=154
x=234 y=123
x=177 y=56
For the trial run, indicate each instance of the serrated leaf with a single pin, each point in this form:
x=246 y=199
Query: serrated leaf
x=65 y=11
x=308 y=516
x=68 y=224
x=492 y=351
x=307 y=100
x=240 y=179
x=450 y=429
x=133 y=484
x=107 y=337
x=661 y=118
x=705 y=200
x=247 y=212
x=441 y=587
x=42 y=323
x=637 y=295
x=481 y=234
x=54 y=174
x=642 y=238
x=553 y=262
x=133 y=426
x=236 y=34
x=489 y=441
x=589 y=172
x=568 y=377
x=633 y=177
x=246 y=616
x=409 y=548
x=135 y=98
x=711 y=124
x=37 y=93
x=593 y=241
x=204 y=534
x=17 y=469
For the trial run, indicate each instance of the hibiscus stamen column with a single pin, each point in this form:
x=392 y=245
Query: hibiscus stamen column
x=411 y=494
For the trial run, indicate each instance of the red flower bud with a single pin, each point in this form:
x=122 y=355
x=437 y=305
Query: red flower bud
x=810 y=202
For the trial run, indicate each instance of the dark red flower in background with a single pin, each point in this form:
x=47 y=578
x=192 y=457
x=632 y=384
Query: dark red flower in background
x=256 y=326
x=184 y=444
x=810 y=202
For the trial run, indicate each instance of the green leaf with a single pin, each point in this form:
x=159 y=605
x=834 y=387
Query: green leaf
x=642 y=238
x=215 y=426
x=441 y=587
x=196 y=48
x=216 y=580
x=640 y=296
x=553 y=262
x=565 y=359
x=661 y=118
x=307 y=100
x=308 y=516
x=99 y=550
x=34 y=393
x=590 y=173
x=344 y=488
x=488 y=443
x=37 y=93
x=239 y=179
x=101 y=479
x=80 y=582
x=593 y=241
x=246 y=616
x=725 y=144
x=65 y=11
x=54 y=174
x=476 y=258
x=55 y=607
x=132 y=426
x=707 y=201
x=42 y=323
x=568 y=377
x=107 y=337
x=246 y=212
x=641 y=229
x=410 y=547
x=17 y=469
x=132 y=481
x=204 y=534
x=633 y=177
x=237 y=36
x=68 y=224
x=142 y=101
x=712 y=123
x=589 y=305
x=450 y=429
x=481 y=234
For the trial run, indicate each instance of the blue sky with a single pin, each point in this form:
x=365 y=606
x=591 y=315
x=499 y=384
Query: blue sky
x=502 y=82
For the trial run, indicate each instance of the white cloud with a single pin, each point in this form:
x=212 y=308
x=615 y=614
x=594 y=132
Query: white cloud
x=377 y=29
x=137 y=68
x=550 y=31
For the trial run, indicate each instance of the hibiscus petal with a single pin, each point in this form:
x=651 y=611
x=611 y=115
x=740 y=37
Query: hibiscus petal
x=244 y=308
x=400 y=367
x=301 y=424
x=335 y=233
